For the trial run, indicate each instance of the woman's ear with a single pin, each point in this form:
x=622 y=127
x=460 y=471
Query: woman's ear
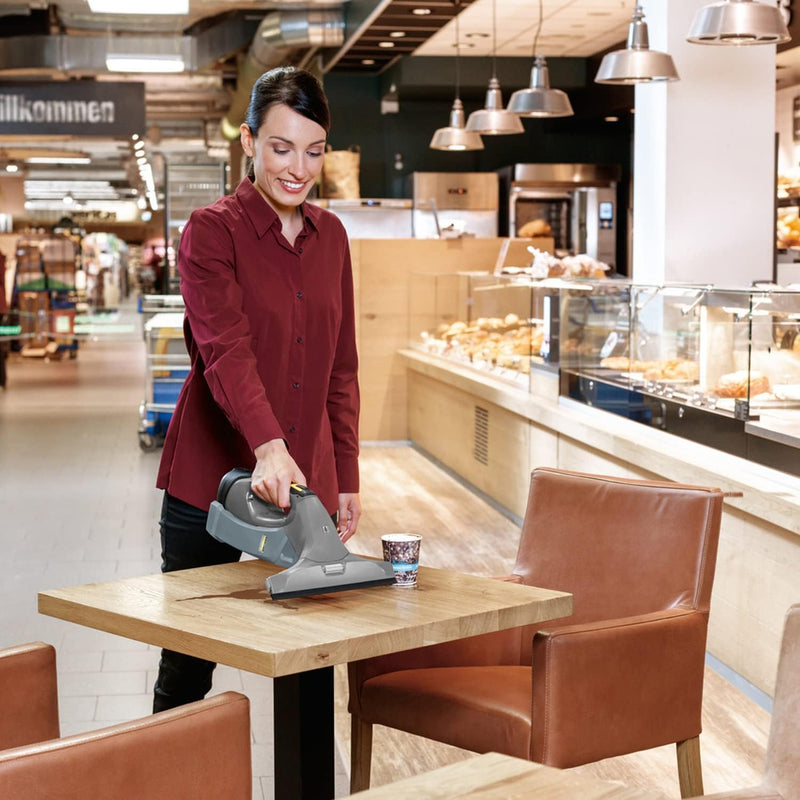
x=246 y=138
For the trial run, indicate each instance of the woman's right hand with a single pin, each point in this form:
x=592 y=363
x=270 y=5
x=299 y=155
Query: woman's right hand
x=274 y=473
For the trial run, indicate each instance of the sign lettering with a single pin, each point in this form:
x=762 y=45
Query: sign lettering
x=82 y=108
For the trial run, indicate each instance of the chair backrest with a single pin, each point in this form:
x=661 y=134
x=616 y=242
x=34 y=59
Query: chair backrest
x=782 y=770
x=622 y=547
x=28 y=695
x=200 y=751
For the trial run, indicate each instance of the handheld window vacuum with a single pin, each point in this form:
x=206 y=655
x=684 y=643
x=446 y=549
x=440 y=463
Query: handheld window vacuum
x=304 y=540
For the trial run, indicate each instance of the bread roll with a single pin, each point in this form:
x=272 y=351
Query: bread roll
x=734 y=384
x=536 y=227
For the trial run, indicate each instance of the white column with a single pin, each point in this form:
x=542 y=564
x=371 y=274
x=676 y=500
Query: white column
x=704 y=153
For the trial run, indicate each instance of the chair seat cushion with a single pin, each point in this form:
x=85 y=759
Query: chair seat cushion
x=475 y=708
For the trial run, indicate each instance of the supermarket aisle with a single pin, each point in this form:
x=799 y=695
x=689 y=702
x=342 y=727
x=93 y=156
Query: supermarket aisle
x=78 y=506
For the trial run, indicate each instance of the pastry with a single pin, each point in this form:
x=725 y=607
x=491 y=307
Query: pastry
x=734 y=384
x=536 y=227
x=673 y=370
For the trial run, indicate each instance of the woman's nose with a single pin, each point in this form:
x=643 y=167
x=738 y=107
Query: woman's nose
x=298 y=168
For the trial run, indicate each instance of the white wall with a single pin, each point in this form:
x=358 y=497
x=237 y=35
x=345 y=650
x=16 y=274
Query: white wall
x=704 y=159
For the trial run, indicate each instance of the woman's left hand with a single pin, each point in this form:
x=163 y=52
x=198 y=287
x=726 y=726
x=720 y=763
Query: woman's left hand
x=349 y=514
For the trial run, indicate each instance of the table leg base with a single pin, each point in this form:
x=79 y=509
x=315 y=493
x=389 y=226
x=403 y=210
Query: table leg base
x=304 y=739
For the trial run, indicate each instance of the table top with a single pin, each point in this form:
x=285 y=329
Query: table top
x=498 y=777
x=225 y=614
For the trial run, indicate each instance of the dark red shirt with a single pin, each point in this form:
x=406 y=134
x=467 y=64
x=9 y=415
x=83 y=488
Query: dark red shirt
x=270 y=329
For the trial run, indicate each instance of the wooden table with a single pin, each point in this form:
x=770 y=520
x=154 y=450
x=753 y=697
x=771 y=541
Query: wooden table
x=498 y=777
x=224 y=614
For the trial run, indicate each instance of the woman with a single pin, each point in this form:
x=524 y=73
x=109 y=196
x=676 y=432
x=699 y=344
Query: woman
x=270 y=328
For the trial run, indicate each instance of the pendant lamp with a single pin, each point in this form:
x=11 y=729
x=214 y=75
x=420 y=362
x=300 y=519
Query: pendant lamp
x=539 y=100
x=455 y=136
x=738 y=22
x=637 y=63
x=493 y=119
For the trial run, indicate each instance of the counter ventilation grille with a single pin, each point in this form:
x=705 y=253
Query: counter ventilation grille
x=480 y=447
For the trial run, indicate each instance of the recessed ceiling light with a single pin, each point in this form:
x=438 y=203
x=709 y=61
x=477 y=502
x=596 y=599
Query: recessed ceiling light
x=367 y=62
x=144 y=63
x=612 y=119
x=397 y=34
x=421 y=12
x=58 y=160
x=385 y=44
x=140 y=7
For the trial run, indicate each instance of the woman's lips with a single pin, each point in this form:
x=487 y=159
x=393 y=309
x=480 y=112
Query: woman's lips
x=293 y=187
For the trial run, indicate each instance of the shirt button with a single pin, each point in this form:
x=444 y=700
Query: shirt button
x=299 y=294
x=300 y=250
x=299 y=340
x=292 y=429
x=295 y=386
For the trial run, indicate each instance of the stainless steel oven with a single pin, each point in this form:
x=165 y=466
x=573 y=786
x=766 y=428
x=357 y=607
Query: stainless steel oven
x=577 y=201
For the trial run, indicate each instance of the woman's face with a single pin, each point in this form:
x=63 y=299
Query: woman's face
x=287 y=156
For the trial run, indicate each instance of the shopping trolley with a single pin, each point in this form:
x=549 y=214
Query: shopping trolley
x=165 y=372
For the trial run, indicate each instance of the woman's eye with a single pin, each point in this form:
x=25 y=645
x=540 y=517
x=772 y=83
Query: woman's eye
x=280 y=152
x=315 y=155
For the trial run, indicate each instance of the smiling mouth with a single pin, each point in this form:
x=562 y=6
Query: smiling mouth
x=292 y=185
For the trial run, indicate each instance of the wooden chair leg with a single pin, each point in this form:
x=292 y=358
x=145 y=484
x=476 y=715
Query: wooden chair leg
x=690 y=769
x=360 y=753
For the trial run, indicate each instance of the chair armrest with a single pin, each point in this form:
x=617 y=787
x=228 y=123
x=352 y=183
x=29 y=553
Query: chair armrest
x=28 y=695
x=607 y=688
x=199 y=751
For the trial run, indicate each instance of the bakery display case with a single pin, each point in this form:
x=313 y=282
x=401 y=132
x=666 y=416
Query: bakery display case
x=497 y=324
x=718 y=366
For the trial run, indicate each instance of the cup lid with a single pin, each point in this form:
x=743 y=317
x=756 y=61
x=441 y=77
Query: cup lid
x=400 y=537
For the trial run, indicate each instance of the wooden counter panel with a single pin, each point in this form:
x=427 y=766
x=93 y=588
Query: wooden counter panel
x=443 y=421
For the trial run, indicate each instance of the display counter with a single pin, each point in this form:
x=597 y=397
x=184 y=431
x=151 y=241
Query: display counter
x=493 y=433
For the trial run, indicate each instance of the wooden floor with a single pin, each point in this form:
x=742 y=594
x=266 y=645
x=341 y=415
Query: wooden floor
x=403 y=491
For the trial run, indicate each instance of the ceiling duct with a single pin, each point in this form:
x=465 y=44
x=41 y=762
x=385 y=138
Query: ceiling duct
x=280 y=35
x=87 y=53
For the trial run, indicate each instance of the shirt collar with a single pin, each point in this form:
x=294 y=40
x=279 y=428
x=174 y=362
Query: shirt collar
x=262 y=215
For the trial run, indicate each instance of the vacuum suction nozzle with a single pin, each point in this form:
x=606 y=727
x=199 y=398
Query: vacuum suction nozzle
x=304 y=540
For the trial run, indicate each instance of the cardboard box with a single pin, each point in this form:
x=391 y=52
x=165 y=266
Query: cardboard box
x=60 y=274
x=29 y=280
x=34 y=311
x=58 y=251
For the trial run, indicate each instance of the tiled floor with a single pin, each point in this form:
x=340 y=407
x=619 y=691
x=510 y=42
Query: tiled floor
x=78 y=505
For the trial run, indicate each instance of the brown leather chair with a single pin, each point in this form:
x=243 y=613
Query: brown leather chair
x=624 y=673
x=200 y=751
x=782 y=770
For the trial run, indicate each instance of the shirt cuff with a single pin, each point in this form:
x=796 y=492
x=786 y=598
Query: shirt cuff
x=257 y=432
x=347 y=474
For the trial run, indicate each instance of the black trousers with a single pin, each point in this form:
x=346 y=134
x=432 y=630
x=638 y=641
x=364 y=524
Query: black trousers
x=185 y=544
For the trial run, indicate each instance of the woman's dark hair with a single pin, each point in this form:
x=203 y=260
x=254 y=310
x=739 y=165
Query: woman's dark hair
x=295 y=88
